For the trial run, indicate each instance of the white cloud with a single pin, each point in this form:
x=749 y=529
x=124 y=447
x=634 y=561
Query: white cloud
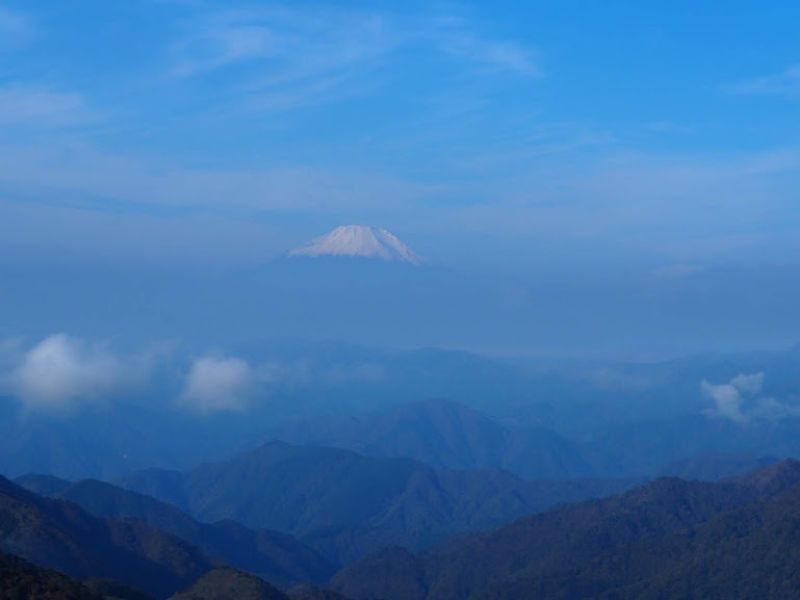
x=771 y=409
x=61 y=372
x=221 y=384
x=727 y=399
x=739 y=401
x=748 y=384
x=217 y=384
x=786 y=83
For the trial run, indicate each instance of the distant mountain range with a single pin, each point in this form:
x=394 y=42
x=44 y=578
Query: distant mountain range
x=445 y=434
x=669 y=539
x=345 y=505
x=449 y=434
x=108 y=440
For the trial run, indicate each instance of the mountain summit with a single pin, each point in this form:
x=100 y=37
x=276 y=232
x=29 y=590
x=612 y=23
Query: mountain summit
x=359 y=241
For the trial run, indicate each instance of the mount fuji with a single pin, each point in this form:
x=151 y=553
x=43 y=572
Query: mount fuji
x=356 y=284
x=359 y=241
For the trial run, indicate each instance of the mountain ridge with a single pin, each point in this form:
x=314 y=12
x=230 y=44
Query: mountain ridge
x=625 y=546
x=445 y=434
x=59 y=534
x=345 y=505
x=277 y=557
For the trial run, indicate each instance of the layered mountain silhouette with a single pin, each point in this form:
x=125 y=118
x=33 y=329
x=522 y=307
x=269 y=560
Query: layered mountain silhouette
x=445 y=434
x=229 y=583
x=345 y=505
x=668 y=539
x=716 y=466
x=276 y=557
x=19 y=579
x=59 y=535
x=117 y=556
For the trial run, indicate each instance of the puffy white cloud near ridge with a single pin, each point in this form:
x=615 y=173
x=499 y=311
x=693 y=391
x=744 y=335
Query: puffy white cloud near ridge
x=60 y=372
x=218 y=385
x=740 y=400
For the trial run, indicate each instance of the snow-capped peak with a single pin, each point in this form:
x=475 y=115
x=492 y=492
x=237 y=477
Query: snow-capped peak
x=359 y=240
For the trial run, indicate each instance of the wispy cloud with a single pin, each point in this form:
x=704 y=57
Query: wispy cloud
x=43 y=106
x=288 y=57
x=90 y=176
x=785 y=83
x=456 y=38
x=289 y=43
x=284 y=58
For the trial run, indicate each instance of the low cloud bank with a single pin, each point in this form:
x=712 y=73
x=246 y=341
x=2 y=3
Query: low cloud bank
x=216 y=384
x=61 y=373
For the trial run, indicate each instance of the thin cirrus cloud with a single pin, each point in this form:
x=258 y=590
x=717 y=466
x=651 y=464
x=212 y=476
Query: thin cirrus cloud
x=455 y=38
x=300 y=42
x=289 y=45
x=25 y=104
x=217 y=384
x=783 y=83
x=84 y=171
x=308 y=56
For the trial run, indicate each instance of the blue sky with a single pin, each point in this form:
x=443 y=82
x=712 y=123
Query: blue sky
x=649 y=137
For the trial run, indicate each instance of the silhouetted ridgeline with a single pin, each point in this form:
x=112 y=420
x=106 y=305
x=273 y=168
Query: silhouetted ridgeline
x=275 y=556
x=670 y=539
x=346 y=505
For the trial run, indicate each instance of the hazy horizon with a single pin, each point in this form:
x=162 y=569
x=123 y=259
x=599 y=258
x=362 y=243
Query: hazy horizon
x=625 y=182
